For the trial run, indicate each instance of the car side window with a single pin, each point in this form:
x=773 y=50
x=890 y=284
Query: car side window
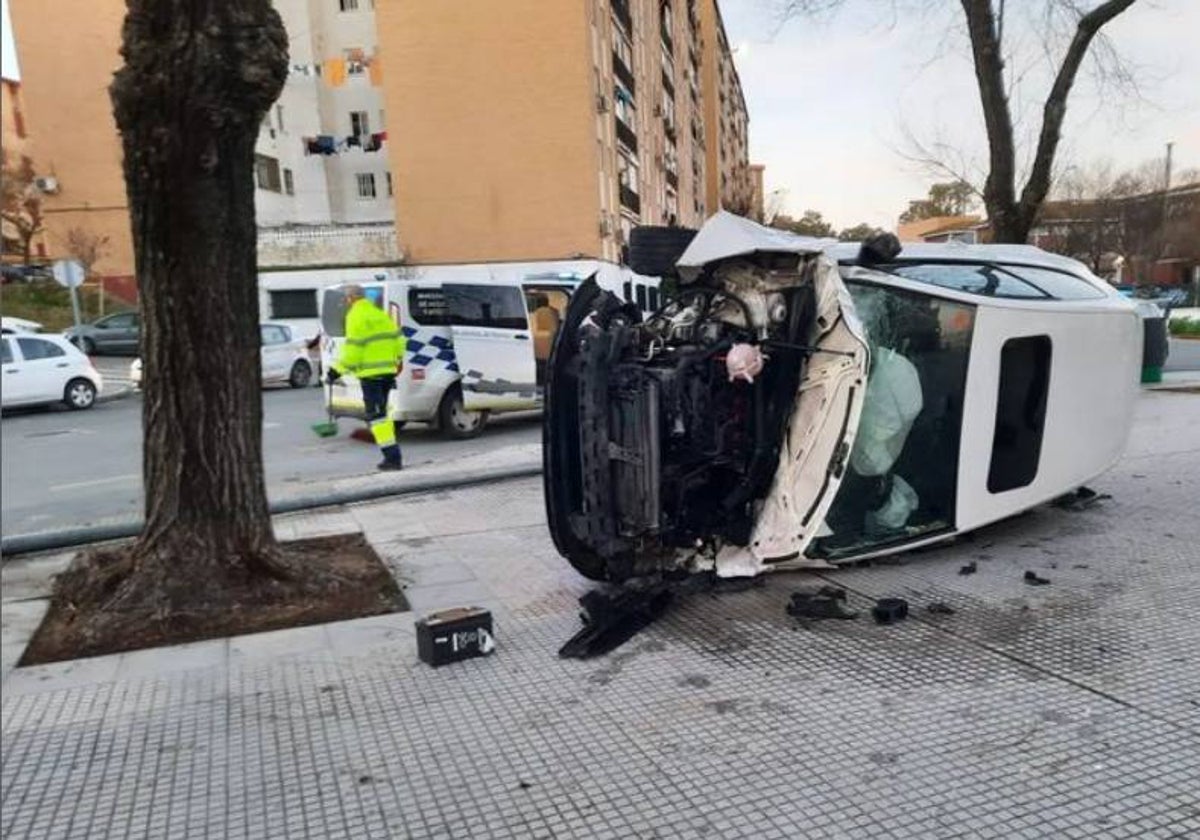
x=124 y=321
x=987 y=280
x=36 y=348
x=274 y=335
x=8 y=353
x=496 y=306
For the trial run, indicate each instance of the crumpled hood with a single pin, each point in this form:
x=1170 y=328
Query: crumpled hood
x=726 y=235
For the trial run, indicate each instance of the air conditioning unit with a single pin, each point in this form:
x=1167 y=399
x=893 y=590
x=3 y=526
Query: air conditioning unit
x=47 y=184
x=606 y=227
x=601 y=103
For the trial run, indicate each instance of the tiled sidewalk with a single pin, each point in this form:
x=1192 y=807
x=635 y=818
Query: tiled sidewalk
x=1071 y=710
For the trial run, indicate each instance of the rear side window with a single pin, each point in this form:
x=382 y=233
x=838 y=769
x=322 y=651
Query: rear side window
x=333 y=313
x=294 y=303
x=8 y=353
x=274 y=335
x=36 y=348
x=1020 y=412
x=498 y=307
x=428 y=307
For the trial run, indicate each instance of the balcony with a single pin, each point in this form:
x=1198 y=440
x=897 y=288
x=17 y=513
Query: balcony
x=627 y=135
x=621 y=13
x=670 y=130
x=630 y=199
x=672 y=179
x=667 y=41
x=668 y=83
x=622 y=72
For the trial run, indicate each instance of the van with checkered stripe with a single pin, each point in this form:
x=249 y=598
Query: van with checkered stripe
x=478 y=337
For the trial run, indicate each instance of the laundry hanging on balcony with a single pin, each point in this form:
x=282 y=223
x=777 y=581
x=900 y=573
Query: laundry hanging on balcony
x=321 y=145
x=375 y=142
x=335 y=72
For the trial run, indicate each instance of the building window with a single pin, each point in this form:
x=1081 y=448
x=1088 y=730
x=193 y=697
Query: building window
x=356 y=61
x=627 y=171
x=348 y=5
x=360 y=124
x=623 y=49
x=266 y=173
x=389 y=180
x=289 y=183
x=294 y=303
x=366 y=184
x=623 y=105
x=279 y=117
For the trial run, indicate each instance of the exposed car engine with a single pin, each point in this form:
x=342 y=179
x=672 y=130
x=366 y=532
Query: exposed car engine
x=671 y=427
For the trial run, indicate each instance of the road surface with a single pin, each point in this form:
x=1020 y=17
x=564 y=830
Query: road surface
x=1183 y=355
x=66 y=469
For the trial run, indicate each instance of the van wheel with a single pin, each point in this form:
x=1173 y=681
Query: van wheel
x=301 y=375
x=79 y=394
x=455 y=421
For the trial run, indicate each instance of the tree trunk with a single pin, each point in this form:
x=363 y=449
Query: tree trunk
x=199 y=77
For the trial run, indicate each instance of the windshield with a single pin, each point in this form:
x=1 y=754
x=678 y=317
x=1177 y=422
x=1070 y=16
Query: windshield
x=902 y=480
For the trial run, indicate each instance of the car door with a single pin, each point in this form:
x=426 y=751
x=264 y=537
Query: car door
x=494 y=345
x=276 y=352
x=46 y=369
x=15 y=387
x=116 y=333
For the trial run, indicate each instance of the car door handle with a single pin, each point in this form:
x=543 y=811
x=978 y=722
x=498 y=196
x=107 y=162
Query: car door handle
x=63 y=364
x=521 y=337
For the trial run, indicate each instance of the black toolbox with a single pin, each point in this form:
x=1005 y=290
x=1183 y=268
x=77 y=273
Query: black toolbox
x=454 y=635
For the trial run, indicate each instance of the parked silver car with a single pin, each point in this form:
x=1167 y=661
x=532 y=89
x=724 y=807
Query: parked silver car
x=117 y=334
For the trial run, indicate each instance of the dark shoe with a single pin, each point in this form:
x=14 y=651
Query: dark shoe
x=391 y=466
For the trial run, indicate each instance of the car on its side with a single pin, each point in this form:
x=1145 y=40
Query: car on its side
x=285 y=359
x=45 y=369
x=805 y=403
x=115 y=334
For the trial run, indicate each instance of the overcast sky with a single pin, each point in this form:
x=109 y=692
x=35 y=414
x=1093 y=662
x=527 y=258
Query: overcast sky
x=832 y=100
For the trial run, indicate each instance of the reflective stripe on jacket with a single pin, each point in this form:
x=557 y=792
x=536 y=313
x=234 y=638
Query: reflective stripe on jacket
x=373 y=344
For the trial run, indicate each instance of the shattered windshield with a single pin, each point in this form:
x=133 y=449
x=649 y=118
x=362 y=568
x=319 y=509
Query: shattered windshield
x=901 y=480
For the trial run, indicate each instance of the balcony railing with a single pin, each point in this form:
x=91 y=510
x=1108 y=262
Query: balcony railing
x=621 y=12
x=622 y=72
x=630 y=199
x=627 y=135
x=670 y=130
x=668 y=83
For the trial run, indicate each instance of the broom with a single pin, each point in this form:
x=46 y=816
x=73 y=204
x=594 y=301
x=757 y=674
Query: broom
x=328 y=428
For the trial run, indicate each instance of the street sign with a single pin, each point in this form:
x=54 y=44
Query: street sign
x=68 y=273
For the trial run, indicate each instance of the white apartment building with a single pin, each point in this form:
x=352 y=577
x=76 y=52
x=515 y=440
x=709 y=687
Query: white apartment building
x=321 y=157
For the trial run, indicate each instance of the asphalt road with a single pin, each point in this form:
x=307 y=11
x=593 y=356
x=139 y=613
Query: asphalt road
x=67 y=469
x=1184 y=354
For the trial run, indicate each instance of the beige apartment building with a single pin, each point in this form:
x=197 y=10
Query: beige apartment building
x=522 y=130
x=533 y=130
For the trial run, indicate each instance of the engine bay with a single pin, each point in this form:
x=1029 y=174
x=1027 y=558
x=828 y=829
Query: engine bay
x=666 y=431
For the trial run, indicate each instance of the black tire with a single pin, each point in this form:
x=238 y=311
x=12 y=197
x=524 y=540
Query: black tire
x=79 y=395
x=653 y=251
x=87 y=346
x=455 y=421
x=301 y=375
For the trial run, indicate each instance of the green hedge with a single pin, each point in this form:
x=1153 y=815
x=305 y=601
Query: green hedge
x=1185 y=327
x=50 y=304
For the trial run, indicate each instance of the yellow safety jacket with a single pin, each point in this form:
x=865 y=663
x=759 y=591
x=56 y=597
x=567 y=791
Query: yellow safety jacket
x=373 y=344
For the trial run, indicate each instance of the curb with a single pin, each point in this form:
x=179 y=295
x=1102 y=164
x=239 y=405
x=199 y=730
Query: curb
x=18 y=544
x=119 y=395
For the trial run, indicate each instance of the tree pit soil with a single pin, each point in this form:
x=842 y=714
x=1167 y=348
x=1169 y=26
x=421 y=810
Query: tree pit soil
x=333 y=579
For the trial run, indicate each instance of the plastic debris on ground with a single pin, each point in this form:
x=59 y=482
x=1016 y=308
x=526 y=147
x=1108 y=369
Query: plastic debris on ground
x=826 y=602
x=1033 y=579
x=1080 y=500
x=890 y=610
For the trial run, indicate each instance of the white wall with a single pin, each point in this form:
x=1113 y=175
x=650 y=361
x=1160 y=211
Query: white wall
x=326 y=187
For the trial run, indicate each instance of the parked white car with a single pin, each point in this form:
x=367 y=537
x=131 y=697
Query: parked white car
x=284 y=359
x=46 y=369
x=12 y=326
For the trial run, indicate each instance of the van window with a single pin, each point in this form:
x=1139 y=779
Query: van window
x=274 y=334
x=427 y=307
x=8 y=353
x=1020 y=412
x=641 y=297
x=294 y=303
x=499 y=307
x=333 y=313
x=653 y=297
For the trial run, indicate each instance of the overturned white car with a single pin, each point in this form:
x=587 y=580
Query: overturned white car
x=803 y=402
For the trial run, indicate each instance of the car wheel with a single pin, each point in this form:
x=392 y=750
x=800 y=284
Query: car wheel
x=301 y=375
x=653 y=251
x=80 y=394
x=455 y=420
x=87 y=346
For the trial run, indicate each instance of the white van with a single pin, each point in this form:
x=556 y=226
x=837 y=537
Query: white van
x=478 y=336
